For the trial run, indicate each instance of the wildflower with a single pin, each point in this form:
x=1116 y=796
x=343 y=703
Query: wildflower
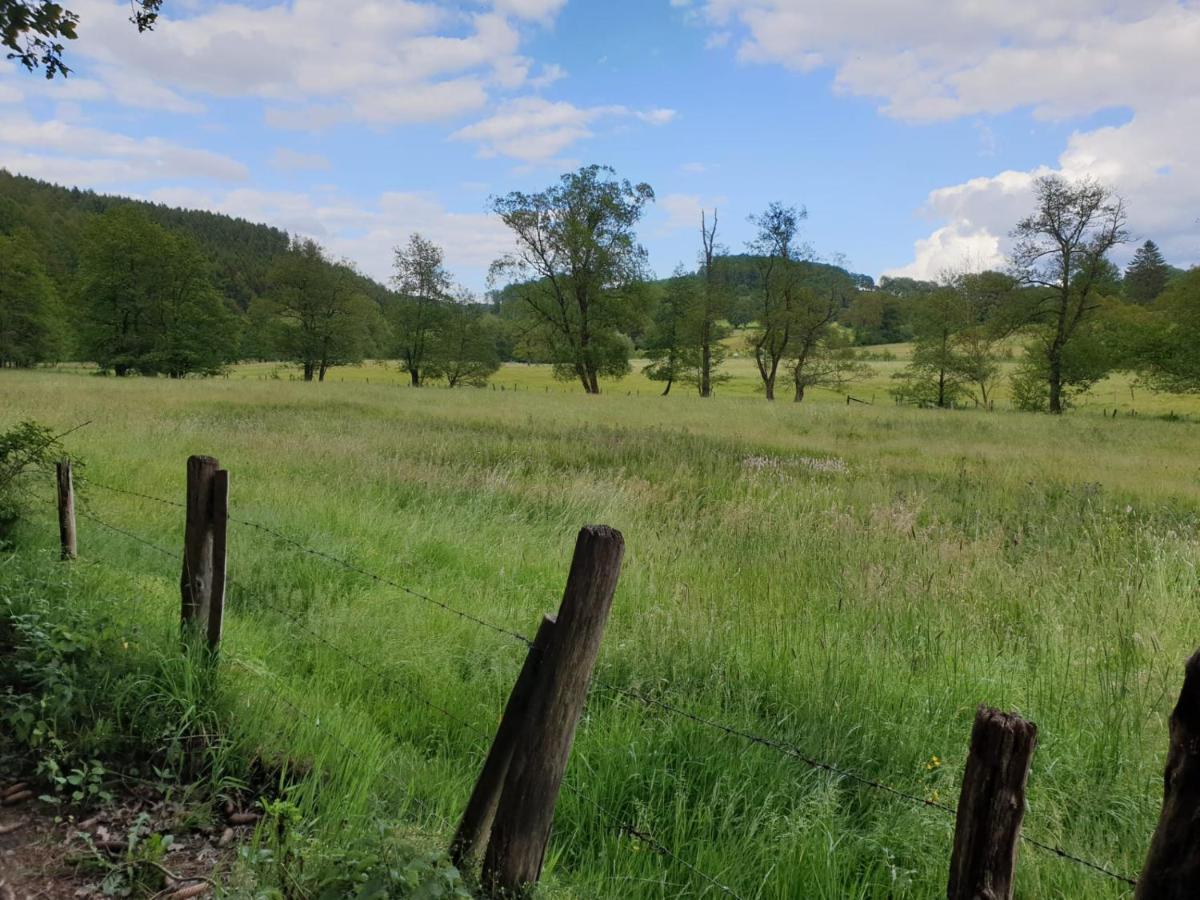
x=934 y=763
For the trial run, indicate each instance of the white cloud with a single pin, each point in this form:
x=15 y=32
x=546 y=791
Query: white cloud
x=1057 y=58
x=694 y=168
x=533 y=129
x=377 y=62
x=82 y=155
x=10 y=93
x=681 y=212
x=294 y=161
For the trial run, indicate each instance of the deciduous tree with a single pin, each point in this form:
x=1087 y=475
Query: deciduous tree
x=31 y=318
x=1062 y=250
x=576 y=260
x=777 y=248
x=324 y=318
x=419 y=312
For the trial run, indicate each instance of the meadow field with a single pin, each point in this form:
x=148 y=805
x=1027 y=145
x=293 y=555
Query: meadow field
x=852 y=580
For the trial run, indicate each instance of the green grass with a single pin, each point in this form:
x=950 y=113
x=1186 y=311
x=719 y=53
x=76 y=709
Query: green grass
x=1039 y=564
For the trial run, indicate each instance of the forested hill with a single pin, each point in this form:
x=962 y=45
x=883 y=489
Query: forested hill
x=240 y=252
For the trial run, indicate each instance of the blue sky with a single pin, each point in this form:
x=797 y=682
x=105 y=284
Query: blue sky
x=910 y=130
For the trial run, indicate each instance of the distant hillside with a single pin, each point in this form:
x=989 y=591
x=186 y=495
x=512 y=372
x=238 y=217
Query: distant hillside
x=240 y=252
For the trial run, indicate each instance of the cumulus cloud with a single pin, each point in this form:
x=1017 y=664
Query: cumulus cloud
x=1056 y=58
x=681 y=212
x=377 y=62
x=534 y=129
x=61 y=151
x=289 y=160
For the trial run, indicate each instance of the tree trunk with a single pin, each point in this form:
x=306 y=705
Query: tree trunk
x=593 y=384
x=308 y=371
x=769 y=386
x=321 y=372
x=706 y=368
x=941 y=400
x=799 y=392
x=1054 y=358
x=414 y=376
x=667 y=389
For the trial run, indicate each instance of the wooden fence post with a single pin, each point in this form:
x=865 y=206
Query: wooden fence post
x=1172 y=870
x=202 y=581
x=514 y=856
x=66 y=509
x=991 y=806
x=476 y=825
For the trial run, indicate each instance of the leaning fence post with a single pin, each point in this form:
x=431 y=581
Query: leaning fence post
x=220 y=531
x=202 y=581
x=991 y=806
x=66 y=509
x=1172 y=869
x=513 y=860
x=476 y=825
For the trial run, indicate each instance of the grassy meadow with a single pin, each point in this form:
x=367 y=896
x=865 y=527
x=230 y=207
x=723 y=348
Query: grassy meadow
x=853 y=580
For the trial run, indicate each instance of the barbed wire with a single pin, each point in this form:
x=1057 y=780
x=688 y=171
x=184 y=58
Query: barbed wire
x=337 y=560
x=774 y=744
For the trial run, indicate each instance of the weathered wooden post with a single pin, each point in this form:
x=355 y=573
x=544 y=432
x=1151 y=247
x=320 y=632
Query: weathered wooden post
x=1172 y=870
x=66 y=509
x=202 y=581
x=991 y=806
x=476 y=825
x=521 y=829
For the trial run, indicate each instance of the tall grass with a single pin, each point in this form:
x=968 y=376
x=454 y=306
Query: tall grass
x=859 y=609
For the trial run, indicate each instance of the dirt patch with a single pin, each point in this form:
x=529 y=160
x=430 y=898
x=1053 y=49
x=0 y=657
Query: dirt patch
x=142 y=844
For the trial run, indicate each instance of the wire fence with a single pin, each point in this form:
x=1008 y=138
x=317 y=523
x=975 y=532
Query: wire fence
x=645 y=700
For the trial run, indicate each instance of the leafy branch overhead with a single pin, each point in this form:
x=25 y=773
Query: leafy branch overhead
x=34 y=32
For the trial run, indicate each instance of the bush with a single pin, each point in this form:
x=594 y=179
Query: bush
x=25 y=449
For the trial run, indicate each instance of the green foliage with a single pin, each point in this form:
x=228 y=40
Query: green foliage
x=150 y=305
x=31 y=319
x=238 y=252
x=1083 y=362
x=1146 y=275
x=577 y=265
x=421 y=311
x=1062 y=251
x=26 y=449
x=33 y=30
x=1168 y=354
x=672 y=350
x=464 y=349
x=316 y=313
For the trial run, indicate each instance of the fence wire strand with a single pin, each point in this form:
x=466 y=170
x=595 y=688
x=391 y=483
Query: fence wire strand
x=774 y=744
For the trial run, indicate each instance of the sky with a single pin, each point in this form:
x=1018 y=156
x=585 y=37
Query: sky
x=910 y=130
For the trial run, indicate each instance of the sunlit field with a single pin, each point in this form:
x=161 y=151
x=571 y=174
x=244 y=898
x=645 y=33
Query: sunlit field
x=849 y=579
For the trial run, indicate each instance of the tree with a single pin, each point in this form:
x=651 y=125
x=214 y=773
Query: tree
x=776 y=246
x=935 y=374
x=30 y=315
x=830 y=363
x=668 y=347
x=1168 y=355
x=993 y=313
x=324 y=319
x=578 y=259
x=1146 y=275
x=713 y=306
x=424 y=286
x=814 y=311
x=149 y=303
x=1062 y=250
x=464 y=349
x=33 y=30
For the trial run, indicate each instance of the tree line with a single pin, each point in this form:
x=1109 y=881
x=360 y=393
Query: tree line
x=143 y=289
